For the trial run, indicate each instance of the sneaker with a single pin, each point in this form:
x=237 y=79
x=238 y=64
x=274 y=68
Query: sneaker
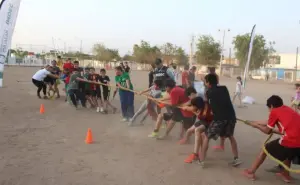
x=201 y=164
x=45 y=97
x=101 y=109
x=275 y=169
x=130 y=122
x=192 y=158
x=235 y=162
x=114 y=110
x=153 y=135
x=219 y=148
x=98 y=109
x=249 y=175
x=124 y=120
x=285 y=177
x=182 y=141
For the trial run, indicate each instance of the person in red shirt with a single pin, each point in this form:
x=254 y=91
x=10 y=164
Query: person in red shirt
x=184 y=76
x=96 y=90
x=285 y=148
x=68 y=65
x=176 y=98
x=204 y=112
x=205 y=118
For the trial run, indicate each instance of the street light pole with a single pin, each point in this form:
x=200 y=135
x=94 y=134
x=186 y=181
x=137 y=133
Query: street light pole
x=222 y=52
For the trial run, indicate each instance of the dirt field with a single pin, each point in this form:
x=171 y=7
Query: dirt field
x=49 y=149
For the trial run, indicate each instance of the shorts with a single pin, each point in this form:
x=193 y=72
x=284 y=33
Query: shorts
x=87 y=92
x=106 y=94
x=49 y=80
x=280 y=152
x=96 y=93
x=202 y=122
x=58 y=81
x=222 y=128
x=177 y=116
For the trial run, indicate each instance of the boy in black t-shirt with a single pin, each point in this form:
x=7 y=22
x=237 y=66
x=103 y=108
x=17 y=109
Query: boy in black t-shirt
x=224 y=118
x=103 y=78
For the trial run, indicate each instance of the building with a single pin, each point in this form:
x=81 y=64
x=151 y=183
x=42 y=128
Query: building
x=281 y=67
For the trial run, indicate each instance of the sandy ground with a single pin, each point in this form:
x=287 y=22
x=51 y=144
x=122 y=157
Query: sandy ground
x=49 y=149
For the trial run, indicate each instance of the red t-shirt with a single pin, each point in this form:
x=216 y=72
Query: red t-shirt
x=67 y=79
x=288 y=123
x=184 y=77
x=94 y=78
x=69 y=66
x=178 y=96
x=206 y=114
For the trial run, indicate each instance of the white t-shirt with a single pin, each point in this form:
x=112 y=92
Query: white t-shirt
x=40 y=75
x=238 y=87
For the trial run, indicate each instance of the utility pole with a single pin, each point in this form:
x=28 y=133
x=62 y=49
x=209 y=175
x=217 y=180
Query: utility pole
x=192 y=51
x=222 y=52
x=229 y=56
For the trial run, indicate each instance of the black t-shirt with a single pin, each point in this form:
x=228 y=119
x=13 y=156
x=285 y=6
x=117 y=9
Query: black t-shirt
x=104 y=80
x=219 y=99
x=151 y=77
x=127 y=69
x=55 y=70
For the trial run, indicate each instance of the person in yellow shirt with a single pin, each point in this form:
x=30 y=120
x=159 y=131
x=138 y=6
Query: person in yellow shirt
x=59 y=62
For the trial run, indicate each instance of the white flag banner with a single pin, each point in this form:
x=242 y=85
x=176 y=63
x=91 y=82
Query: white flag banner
x=8 y=15
x=249 y=55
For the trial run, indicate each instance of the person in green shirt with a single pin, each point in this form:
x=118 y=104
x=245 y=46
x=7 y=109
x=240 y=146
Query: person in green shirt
x=73 y=88
x=126 y=97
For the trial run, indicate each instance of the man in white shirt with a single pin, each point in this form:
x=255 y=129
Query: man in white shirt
x=38 y=80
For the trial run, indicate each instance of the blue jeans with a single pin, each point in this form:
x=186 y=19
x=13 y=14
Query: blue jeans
x=127 y=103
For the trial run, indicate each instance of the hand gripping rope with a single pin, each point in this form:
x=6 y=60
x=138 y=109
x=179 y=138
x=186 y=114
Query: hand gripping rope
x=243 y=121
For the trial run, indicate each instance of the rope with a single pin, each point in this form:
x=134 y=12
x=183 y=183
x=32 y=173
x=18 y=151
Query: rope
x=238 y=119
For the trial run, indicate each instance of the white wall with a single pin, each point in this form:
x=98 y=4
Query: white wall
x=287 y=61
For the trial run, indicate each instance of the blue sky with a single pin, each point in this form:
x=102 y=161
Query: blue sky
x=122 y=23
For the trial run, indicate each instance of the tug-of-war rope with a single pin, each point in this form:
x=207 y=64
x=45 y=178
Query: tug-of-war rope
x=240 y=120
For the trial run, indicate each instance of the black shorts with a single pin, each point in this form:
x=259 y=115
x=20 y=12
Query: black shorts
x=87 y=92
x=281 y=152
x=222 y=128
x=202 y=122
x=96 y=93
x=106 y=94
x=177 y=116
x=49 y=80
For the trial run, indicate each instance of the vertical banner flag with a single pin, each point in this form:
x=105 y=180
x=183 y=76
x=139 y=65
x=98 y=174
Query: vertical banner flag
x=8 y=15
x=249 y=55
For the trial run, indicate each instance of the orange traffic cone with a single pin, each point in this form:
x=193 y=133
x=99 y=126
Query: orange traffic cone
x=89 y=137
x=42 y=109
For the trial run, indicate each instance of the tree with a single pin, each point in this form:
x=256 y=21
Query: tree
x=260 y=52
x=145 y=53
x=270 y=56
x=19 y=54
x=181 y=57
x=102 y=53
x=168 y=52
x=208 y=51
x=127 y=57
